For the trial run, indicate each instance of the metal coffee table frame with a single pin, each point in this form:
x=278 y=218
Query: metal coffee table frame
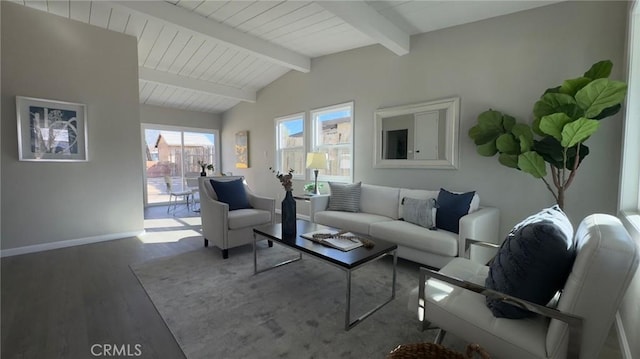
x=343 y=266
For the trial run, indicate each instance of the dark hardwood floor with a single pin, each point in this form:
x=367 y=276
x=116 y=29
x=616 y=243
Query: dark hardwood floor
x=60 y=303
x=63 y=302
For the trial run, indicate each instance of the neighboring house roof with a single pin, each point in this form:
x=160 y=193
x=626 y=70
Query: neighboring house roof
x=190 y=139
x=335 y=121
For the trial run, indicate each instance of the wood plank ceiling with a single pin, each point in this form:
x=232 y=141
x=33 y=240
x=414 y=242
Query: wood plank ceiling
x=210 y=55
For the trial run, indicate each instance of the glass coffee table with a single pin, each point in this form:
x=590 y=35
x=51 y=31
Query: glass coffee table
x=346 y=261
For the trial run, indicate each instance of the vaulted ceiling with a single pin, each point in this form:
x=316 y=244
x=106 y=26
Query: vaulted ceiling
x=210 y=55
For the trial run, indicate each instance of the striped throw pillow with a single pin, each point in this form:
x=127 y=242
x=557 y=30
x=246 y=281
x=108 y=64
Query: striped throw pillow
x=345 y=197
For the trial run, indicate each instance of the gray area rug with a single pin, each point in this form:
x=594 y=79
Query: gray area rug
x=218 y=309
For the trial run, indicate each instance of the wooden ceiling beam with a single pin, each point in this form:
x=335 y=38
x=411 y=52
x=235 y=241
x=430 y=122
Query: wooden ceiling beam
x=192 y=22
x=189 y=83
x=370 y=22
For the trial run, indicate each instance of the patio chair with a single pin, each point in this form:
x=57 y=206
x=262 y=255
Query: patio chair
x=176 y=196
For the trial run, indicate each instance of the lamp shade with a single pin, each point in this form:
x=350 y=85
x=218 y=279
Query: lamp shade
x=316 y=160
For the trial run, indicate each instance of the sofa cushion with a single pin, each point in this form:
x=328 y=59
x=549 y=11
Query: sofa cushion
x=412 y=236
x=345 y=197
x=451 y=207
x=354 y=222
x=232 y=193
x=475 y=202
x=380 y=200
x=419 y=211
x=243 y=218
x=533 y=262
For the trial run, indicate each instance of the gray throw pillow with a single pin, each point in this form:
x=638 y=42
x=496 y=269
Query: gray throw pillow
x=345 y=197
x=419 y=211
x=533 y=263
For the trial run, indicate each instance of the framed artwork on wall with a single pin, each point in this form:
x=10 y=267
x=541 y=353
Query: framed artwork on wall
x=50 y=130
x=242 y=149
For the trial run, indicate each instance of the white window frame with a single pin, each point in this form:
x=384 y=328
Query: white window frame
x=278 y=152
x=182 y=129
x=313 y=114
x=629 y=186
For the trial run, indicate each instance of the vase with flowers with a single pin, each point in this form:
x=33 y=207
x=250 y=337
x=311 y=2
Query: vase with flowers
x=288 y=204
x=205 y=166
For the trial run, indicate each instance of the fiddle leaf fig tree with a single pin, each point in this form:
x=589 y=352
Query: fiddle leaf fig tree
x=563 y=119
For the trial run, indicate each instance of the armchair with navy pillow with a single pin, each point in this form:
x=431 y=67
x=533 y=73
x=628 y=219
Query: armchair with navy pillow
x=229 y=210
x=546 y=294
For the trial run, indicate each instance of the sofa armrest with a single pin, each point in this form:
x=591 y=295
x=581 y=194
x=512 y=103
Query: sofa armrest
x=214 y=215
x=485 y=252
x=468 y=242
x=317 y=204
x=265 y=203
x=481 y=225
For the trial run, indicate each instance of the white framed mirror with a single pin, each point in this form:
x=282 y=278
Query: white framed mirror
x=422 y=135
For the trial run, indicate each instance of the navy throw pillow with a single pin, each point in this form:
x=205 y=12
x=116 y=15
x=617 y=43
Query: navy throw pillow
x=451 y=207
x=232 y=193
x=533 y=262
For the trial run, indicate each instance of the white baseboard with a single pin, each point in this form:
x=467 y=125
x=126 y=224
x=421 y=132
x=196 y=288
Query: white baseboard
x=67 y=243
x=622 y=338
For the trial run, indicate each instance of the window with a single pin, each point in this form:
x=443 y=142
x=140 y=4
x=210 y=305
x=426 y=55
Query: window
x=333 y=134
x=629 y=192
x=171 y=157
x=290 y=150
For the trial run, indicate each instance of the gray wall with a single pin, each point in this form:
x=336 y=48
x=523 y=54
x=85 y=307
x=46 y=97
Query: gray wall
x=503 y=63
x=174 y=117
x=50 y=57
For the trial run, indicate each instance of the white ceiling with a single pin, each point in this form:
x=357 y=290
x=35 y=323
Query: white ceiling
x=210 y=55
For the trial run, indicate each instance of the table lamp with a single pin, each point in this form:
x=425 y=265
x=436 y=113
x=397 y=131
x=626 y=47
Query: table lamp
x=316 y=161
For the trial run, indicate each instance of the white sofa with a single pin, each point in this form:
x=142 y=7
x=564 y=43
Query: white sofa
x=380 y=214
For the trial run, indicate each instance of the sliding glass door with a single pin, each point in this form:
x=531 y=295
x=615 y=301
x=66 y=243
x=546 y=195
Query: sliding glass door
x=171 y=159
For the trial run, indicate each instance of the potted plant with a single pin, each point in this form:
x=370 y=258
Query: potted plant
x=205 y=166
x=311 y=188
x=564 y=118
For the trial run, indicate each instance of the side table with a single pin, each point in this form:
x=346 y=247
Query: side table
x=303 y=197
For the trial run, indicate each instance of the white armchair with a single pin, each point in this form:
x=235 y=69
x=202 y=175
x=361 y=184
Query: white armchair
x=228 y=229
x=576 y=327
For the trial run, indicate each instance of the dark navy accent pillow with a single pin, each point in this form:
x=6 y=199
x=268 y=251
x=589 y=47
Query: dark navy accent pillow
x=451 y=207
x=533 y=262
x=232 y=193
